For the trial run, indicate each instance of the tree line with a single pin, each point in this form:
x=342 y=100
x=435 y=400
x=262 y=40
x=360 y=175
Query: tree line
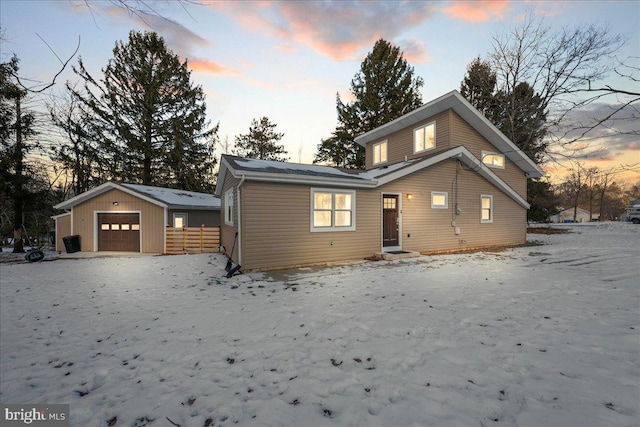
x=144 y=121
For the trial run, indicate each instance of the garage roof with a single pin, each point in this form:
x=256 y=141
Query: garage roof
x=165 y=197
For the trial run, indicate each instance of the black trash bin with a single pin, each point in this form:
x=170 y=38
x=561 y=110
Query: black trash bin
x=71 y=244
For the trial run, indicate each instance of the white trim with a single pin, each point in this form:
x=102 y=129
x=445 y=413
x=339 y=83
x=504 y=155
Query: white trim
x=399 y=207
x=185 y=223
x=455 y=101
x=95 y=226
x=386 y=152
x=369 y=178
x=494 y=154
x=107 y=186
x=333 y=227
x=413 y=138
x=491 y=208
x=229 y=203
x=446 y=200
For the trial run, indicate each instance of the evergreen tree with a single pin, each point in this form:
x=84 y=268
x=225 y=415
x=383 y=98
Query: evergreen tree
x=384 y=89
x=148 y=117
x=261 y=142
x=479 y=86
x=16 y=142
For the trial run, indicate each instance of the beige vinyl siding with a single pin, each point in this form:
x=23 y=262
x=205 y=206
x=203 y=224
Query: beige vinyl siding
x=276 y=220
x=227 y=233
x=63 y=229
x=463 y=134
x=400 y=143
x=431 y=230
x=451 y=131
x=152 y=222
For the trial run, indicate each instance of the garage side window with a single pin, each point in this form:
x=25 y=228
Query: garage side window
x=333 y=210
x=180 y=220
x=228 y=207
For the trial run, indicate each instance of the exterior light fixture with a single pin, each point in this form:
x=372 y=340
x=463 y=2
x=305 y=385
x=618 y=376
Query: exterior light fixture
x=409 y=196
x=115 y=203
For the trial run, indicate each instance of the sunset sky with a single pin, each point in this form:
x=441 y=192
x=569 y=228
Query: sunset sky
x=287 y=60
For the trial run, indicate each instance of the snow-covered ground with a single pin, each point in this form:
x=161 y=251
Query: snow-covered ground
x=544 y=335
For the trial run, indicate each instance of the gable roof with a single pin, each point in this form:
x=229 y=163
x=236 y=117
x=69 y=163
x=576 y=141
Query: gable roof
x=456 y=102
x=294 y=173
x=164 y=197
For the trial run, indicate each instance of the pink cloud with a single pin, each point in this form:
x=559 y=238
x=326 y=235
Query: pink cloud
x=478 y=11
x=340 y=30
x=211 y=67
x=287 y=48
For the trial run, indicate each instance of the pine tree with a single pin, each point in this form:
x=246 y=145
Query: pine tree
x=479 y=86
x=16 y=130
x=384 y=89
x=261 y=142
x=148 y=117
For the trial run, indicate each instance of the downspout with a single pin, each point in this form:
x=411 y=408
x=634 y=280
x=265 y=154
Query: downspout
x=240 y=221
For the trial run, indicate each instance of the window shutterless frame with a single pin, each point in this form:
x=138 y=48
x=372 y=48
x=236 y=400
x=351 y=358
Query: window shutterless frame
x=332 y=210
x=424 y=138
x=486 y=209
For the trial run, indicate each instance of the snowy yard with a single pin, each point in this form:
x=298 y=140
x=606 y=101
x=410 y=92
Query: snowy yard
x=544 y=335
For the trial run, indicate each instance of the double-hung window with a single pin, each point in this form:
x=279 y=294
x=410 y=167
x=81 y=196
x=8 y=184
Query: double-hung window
x=424 y=138
x=333 y=210
x=380 y=152
x=493 y=160
x=228 y=207
x=486 y=208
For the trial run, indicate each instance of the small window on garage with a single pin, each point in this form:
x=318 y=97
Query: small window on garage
x=180 y=220
x=104 y=226
x=125 y=226
x=135 y=227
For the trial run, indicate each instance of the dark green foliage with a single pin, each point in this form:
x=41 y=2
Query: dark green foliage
x=147 y=118
x=544 y=202
x=261 y=142
x=518 y=114
x=384 y=89
x=16 y=142
x=479 y=86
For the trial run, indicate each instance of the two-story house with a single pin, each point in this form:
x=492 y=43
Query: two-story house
x=440 y=178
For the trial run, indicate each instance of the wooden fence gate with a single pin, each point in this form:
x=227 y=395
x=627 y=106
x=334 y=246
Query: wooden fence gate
x=192 y=240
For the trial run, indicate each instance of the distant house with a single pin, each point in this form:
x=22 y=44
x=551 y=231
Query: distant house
x=439 y=178
x=132 y=218
x=566 y=215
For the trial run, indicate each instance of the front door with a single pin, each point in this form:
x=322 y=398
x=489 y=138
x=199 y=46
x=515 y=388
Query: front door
x=390 y=220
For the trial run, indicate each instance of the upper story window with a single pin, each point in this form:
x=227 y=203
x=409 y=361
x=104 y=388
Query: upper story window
x=493 y=160
x=228 y=207
x=424 y=138
x=380 y=152
x=333 y=210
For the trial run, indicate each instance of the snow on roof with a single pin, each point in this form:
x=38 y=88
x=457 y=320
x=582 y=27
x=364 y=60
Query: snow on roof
x=173 y=197
x=271 y=166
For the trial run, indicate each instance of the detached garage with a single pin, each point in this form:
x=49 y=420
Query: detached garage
x=131 y=217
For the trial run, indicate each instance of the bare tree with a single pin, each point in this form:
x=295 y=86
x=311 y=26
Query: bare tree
x=567 y=69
